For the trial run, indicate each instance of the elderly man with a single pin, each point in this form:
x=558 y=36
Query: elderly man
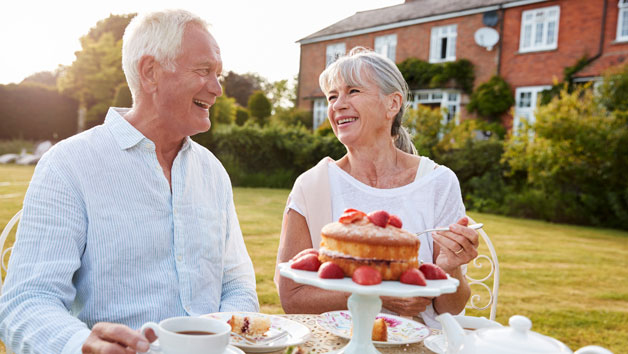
x=131 y=221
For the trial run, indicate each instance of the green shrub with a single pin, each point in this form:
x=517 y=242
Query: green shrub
x=614 y=89
x=424 y=125
x=491 y=99
x=223 y=111
x=420 y=74
x=242 y=115
x=15 y=146
x=259 y=107
x=577 y=159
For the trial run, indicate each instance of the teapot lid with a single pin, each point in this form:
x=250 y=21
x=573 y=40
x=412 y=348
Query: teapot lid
x=518 y=338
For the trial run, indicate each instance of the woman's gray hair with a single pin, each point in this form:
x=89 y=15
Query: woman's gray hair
x=158 y=34
x=362 y=64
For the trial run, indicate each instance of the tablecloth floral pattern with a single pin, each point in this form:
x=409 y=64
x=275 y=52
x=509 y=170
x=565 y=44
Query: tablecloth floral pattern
x=323 y=341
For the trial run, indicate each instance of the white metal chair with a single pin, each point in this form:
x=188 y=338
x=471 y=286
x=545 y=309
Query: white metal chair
x=3 y=237
x=477 y=302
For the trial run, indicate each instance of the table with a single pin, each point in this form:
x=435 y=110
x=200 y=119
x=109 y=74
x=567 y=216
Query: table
x=321 y=341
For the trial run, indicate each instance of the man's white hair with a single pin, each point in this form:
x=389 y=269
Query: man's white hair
x=158 y=34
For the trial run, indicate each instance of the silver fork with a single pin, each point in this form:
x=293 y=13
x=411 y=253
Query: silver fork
x=474 y=227
x=262 y=341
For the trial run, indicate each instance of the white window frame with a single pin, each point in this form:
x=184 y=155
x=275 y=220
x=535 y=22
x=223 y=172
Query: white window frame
x=333 y=52
x=526 y=112
x=387 y=46
x=319 y=112
x=449 y=101
x=448 y=33
x=622 y=21
x=530 y=40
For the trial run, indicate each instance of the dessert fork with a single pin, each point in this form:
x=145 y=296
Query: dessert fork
x=262 y=341
x=473 y=226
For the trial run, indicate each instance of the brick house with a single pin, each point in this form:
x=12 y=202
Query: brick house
x=537 y=40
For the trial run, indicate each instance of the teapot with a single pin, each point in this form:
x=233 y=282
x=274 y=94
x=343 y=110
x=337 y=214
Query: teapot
x=516 y=339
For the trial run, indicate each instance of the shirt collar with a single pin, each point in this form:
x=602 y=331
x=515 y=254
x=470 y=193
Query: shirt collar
x=125 y=134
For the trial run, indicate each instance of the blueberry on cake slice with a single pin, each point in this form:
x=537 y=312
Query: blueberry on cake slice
x=249 y=326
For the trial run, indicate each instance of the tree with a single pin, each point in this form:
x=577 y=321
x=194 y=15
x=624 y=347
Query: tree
x=223 y=111
x=46 y=78
x=123 y=97
x=260 y=107
x=241 y=87
x=94 y=76
x=614 y=89
x=577 y=162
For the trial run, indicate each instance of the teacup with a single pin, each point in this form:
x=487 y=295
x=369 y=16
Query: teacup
x=190 y=335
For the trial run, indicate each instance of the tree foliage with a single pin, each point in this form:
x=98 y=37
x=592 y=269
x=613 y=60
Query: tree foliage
x=241 y=87
x=420 y=74
x=35 y=112
x=577 y=160
x=94 y=76
x=260 y=107
x=614 y=89
x=223 y=111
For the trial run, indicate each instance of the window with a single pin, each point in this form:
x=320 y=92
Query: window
x=539 y=29
x=622 y=21
x=526 y=99
x=334 y=51
x=443 y=44
x=319 y=113
x=386 y=45
x=448 y=101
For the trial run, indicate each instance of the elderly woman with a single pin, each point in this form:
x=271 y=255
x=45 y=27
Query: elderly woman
x=381 y=171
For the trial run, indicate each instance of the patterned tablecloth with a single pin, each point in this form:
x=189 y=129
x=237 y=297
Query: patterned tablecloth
x=322 y=341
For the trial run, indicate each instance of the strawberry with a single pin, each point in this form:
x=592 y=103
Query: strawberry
x=379 y=218
x=395 y=221
x=329 y=270
x=304 y=252
x=351 y=216
x=349 y=210
x=366 y=275
x=412 y=276
x=432 y=271
x=306 y=262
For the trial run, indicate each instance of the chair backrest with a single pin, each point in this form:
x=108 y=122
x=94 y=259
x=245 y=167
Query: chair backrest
x=477 y=301
x=3 y=238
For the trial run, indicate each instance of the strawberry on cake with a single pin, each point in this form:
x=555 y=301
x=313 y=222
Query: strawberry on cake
x=376 y=240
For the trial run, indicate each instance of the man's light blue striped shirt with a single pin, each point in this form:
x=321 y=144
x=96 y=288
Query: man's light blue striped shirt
x=103 y=238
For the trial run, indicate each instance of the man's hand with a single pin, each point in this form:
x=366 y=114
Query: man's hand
x=113 y=338
x=406 y=306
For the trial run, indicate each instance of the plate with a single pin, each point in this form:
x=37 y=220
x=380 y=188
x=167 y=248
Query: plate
x=385 y=288
x=400 y=330
x=297 y=333
x=436 y=343
x=230 y=350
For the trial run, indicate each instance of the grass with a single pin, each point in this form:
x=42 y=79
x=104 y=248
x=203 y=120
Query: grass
x=569 y=280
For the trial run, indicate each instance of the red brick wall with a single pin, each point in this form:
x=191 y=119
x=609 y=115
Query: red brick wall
x=578 y=34
x=412 y=41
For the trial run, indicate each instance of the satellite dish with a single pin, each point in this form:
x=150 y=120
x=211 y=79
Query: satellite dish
x=486 y=37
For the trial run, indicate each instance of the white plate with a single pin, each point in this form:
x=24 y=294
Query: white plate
x=400 y=330
x=230 y=350
x=385 y=288
x=436 y=343
x=297 y=333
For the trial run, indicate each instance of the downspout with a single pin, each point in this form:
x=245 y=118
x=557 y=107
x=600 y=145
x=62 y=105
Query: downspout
x=601 y=48
x=501 y=38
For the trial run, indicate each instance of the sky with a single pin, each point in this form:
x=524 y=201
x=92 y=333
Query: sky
x=254 y=35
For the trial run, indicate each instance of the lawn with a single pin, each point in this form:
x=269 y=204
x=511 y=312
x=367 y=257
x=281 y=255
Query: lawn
x=569 y=280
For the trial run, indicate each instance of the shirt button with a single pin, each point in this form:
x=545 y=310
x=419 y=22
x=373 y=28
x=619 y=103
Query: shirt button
x=187 y=308
x=179 y=258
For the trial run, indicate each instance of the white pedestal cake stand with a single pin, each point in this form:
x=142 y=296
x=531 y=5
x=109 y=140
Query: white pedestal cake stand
x=364 y=303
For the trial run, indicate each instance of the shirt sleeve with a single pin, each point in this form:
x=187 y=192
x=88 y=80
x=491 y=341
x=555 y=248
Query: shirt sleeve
x=449 y=205
x=238 y=286
x=35 y=307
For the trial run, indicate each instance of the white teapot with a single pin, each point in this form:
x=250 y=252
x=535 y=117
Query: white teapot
x=516 y=339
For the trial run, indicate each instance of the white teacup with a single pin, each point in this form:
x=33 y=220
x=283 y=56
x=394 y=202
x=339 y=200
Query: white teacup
x=190 y=335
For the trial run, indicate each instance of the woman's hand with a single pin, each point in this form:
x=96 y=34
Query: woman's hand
x=457 y=246
x=406 y=306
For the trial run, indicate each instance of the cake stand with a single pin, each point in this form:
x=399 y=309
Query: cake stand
x=364 y=303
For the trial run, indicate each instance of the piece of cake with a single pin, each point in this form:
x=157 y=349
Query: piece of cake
x=358 y=239
x=380 y=330
x=249 y=326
